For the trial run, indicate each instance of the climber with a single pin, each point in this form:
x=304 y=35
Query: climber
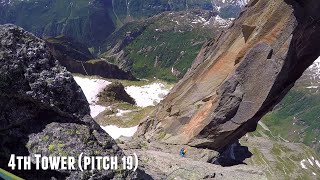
x=183 y=152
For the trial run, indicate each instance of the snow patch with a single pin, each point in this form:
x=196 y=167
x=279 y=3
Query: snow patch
x=317 y=163
x=122 y=112
x=302 y=164
x=218 y=21
x=312 y=87
x=311 y=163
x=115 y=132
x=148 y=95
x=96 y=110
x=91 y=88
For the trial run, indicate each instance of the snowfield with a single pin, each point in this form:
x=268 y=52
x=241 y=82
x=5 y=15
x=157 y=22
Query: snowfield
x=91 y=88
x=115 y=132
x=148 y=95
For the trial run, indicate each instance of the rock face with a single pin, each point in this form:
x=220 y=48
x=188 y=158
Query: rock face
x=78 y=59
x=44 y=111
x=115 y=92
x=162 y=161
x=68 y=49
x=233 y=82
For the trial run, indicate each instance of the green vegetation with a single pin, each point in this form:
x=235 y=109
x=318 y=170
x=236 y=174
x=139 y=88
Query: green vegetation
x=140 y=9
x=171 y=52
x=296 y=118
x=89 y=22
x=280 y=160
x=163 y=46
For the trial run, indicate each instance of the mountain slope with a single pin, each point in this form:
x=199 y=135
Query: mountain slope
x=128 y=10
x=163 y=46
x=296 y=117
x=92 y=21
x=84 y=20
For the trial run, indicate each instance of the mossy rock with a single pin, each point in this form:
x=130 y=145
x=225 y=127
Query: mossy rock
x=115 y=92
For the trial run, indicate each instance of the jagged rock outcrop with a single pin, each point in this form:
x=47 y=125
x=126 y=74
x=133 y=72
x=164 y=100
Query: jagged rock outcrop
x=115 y=92
x=67 y=49
x=43 y=110
x=234 y=82
x=78 y=59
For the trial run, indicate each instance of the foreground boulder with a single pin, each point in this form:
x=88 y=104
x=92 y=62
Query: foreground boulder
x=43 y=110
x=237 y=79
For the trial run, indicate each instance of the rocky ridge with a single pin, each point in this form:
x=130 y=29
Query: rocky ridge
x=78 y=59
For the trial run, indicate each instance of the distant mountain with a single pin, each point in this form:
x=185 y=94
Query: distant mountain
x=163 y=46
x=84 y=20
x=126 y=10
x=92 y=21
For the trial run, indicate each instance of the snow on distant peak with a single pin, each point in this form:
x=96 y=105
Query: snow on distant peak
x=241 y=3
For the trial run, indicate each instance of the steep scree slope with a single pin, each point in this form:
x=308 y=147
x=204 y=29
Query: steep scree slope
x=43 y=110
x=238 y=79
